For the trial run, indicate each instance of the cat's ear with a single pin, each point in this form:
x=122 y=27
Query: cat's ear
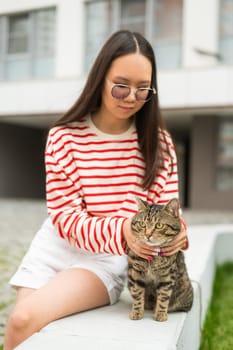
x=142 y=205
x=173 y=207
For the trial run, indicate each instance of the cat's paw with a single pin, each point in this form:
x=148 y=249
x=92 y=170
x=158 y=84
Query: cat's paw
x=135 y=315
x=160 y=316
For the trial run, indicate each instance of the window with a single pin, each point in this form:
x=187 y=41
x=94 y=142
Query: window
x=225 y=156
x=132 y=15
x=226 y=30
x=98 y=26
x=18 y=34
x=167 y=32
x=159 y=20
x=27 y=45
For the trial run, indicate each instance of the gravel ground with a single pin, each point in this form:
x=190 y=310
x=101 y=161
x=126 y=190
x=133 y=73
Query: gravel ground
x=19 y=221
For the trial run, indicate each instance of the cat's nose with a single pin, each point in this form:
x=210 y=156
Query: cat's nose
x=148 y=233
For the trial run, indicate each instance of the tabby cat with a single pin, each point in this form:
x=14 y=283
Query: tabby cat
x=163 y=283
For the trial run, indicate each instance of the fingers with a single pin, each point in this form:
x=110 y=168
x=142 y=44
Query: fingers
x=143 y=250
x=147 y=252
x=170 y=250
x=139 y=248
x=177 y=243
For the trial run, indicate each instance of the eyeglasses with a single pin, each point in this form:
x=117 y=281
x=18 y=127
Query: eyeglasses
x=121 y=91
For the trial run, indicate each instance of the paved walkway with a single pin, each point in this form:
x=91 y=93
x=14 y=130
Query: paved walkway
x=20 y=219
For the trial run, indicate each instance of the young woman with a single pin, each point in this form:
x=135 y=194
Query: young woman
x=108 y=148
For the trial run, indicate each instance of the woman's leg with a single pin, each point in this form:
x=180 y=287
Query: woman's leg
x=70 y=291
x=23 y=292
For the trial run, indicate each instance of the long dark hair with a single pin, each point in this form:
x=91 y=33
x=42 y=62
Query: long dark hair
x=148 y=119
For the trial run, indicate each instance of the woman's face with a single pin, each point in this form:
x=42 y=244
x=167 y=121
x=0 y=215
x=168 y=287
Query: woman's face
x=133 y=70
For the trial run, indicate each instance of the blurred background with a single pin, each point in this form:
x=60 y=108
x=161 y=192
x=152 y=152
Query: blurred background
x=47 y=47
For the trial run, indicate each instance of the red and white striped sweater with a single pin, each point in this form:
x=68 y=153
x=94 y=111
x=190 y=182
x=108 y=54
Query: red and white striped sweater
x=92 y=179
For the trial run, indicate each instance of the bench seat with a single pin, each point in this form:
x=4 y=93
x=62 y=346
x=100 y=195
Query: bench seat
x=109 y=328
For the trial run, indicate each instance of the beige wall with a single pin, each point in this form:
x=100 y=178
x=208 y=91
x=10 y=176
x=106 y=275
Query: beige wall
x=202 y=176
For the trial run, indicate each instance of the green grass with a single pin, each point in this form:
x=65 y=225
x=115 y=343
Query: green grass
x=218 y=325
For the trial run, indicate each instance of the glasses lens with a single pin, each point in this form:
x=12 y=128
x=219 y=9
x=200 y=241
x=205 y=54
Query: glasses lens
x=144 y=94
x=120 y=91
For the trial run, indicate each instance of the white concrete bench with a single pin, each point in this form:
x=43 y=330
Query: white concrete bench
x=109 y=328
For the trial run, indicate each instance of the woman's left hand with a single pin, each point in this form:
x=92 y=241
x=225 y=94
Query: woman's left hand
x=178 y=243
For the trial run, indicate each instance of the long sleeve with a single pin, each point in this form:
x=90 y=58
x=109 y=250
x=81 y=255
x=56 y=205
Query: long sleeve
x=68 y=213
x=67 y=209
x=92 y=180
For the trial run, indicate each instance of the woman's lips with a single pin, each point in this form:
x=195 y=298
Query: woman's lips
x=126 y=109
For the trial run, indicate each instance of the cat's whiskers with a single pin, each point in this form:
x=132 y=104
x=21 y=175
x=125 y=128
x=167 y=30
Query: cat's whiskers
x=158 y=244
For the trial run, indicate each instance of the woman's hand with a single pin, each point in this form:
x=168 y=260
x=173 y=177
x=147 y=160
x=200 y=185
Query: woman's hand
x=141 y=249
x=178 y=243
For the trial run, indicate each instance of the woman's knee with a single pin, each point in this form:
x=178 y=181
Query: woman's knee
x=21 y=325
x=20 y=318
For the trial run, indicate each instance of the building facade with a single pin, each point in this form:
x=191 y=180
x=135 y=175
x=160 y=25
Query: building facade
x=47 y=47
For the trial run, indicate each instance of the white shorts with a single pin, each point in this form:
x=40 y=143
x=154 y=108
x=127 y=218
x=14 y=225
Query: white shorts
x=49 y=253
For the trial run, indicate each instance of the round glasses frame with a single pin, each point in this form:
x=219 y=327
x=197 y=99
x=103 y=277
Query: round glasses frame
x=121 y=91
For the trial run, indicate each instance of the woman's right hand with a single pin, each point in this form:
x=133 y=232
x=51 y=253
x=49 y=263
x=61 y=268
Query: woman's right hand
x=141 y=249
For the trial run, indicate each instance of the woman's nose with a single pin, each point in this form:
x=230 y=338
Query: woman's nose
x=132 y=95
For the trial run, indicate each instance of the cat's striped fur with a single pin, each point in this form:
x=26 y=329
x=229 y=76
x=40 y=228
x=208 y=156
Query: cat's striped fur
x=162 y=284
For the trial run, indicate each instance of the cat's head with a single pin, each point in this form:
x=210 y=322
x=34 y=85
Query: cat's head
x=156 y=224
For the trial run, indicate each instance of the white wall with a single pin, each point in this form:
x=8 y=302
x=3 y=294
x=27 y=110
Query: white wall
x=38 y=97
x=200 y=31
x=9 y=6
x=197 y=88
x=70 y=36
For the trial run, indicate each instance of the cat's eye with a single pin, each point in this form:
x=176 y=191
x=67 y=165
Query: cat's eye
x=143 y=224
x=159 y=225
